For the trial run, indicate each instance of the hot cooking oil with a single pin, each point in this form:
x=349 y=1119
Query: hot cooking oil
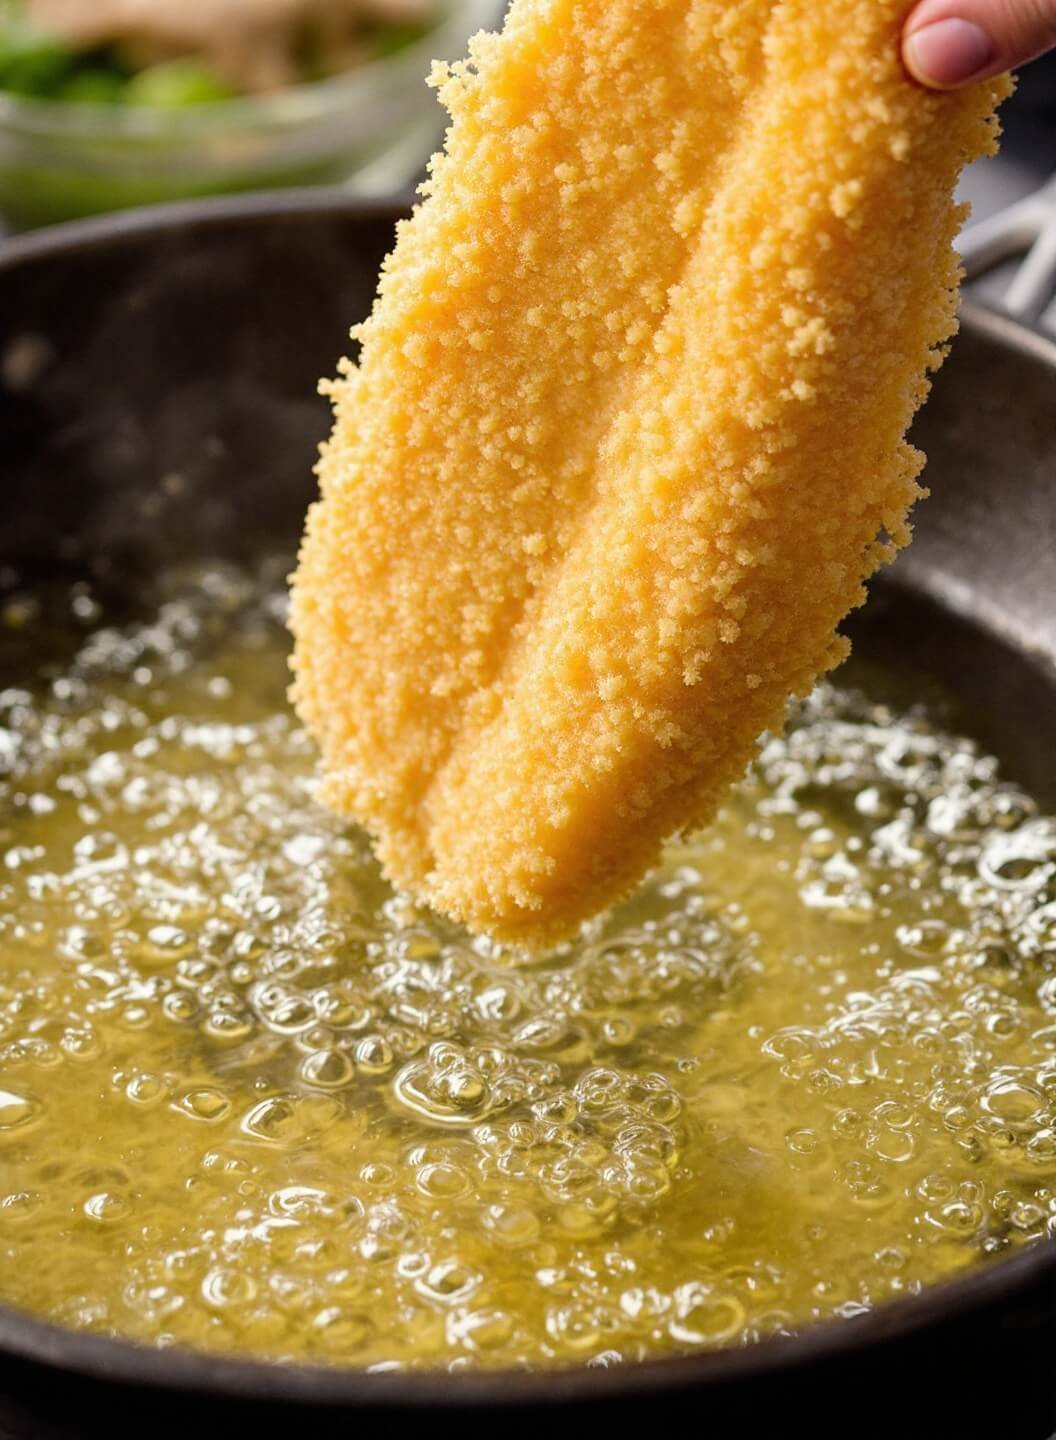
x=252 y=1101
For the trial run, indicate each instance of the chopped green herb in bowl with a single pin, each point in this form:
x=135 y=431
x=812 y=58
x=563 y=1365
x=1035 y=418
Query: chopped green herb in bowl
x=110 y=103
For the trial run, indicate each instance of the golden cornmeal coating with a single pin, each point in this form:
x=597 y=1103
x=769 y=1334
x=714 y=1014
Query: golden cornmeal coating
x=626 y=434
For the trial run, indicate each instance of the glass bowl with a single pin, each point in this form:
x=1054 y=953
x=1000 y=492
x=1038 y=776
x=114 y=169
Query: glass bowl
x=370 y=129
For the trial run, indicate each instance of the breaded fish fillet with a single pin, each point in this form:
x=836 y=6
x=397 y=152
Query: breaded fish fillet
x=626 y=434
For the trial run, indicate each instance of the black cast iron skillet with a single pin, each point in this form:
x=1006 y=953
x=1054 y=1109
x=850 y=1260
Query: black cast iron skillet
x=186 y=343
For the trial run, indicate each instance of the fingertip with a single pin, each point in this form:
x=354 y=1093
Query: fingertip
x=945 y=54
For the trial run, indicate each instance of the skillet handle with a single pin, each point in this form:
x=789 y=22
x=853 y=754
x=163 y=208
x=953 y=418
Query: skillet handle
x=1025 y=231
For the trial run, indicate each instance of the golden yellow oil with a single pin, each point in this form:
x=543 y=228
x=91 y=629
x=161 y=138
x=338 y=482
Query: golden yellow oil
x=252 y=1101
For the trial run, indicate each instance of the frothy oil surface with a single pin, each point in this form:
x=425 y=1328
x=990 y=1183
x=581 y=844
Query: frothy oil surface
x=252 y=1101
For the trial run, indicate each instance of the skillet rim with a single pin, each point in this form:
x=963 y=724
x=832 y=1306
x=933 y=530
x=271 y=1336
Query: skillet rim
x=190 y=1373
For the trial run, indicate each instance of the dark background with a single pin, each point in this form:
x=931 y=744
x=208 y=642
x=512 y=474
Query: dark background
x=1028 y=151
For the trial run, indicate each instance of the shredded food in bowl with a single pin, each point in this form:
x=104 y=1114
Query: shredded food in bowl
x=255 y=45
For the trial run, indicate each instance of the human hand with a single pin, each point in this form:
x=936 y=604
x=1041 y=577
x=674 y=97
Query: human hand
x=948 y=43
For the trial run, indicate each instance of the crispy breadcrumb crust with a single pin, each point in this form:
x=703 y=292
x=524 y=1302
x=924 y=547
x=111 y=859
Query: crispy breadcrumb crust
x=626 y=435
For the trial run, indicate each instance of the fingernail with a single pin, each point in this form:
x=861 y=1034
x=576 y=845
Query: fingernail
x=948 y=52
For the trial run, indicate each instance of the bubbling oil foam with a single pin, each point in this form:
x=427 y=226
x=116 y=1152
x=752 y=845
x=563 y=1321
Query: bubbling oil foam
x=252 y=1101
